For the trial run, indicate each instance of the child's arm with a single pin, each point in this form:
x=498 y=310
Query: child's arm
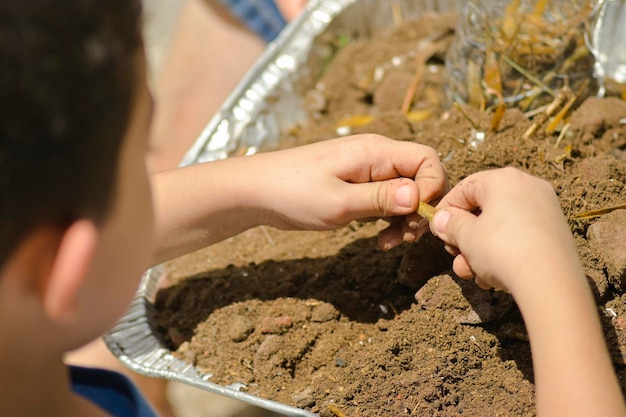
x=321 y=186
x=521 y=242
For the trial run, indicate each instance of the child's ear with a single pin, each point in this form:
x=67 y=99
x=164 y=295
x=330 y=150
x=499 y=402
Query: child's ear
x=69 y=268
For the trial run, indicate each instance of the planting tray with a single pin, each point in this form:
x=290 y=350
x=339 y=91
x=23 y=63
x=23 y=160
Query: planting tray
x=266 y=103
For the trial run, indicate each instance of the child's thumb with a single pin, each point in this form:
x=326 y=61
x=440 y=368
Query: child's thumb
x=381 y=198
x=453 y=226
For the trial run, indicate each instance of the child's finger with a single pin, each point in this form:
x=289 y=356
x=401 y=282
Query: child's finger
x=453 y=226
x=399 y=232
x=374 y=158
x=391 y=236
x=290 y=9
x=452 y=250
x=461 y=267
x=397 y=197
x=482 y=284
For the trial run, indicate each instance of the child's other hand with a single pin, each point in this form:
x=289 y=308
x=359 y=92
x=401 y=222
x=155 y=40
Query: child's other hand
x=290 y=9
x=502 y=224
x=326 y=185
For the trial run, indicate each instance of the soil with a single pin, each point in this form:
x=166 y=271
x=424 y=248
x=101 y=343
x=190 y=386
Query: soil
x=328 y=322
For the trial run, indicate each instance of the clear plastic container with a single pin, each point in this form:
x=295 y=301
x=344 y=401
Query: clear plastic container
x=523 y=51
x=607 y=41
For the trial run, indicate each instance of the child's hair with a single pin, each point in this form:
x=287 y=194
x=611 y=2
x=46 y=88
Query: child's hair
x=68 y=71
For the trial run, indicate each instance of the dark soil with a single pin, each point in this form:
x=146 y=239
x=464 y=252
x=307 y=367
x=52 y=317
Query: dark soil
x=319 y=319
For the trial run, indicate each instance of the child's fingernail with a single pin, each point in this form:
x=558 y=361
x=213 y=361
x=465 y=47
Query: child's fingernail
x=409 y=237
x=392 y=243
x=416 y=225
x=403 y=196
x=451 y=250
x=440 y=221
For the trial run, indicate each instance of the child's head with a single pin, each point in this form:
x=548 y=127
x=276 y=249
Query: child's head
x=73 y=129
x=66 y=86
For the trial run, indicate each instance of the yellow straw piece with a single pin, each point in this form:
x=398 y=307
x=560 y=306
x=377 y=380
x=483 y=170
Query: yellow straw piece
x=426 y=211
x=597 y=213
x=418 y=115
x=356 y=120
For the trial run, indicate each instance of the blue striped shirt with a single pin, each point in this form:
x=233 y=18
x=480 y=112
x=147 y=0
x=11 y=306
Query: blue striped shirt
x=111 y=391
x=260 y=16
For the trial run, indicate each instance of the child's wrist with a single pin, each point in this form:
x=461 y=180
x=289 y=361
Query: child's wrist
x=551 y=288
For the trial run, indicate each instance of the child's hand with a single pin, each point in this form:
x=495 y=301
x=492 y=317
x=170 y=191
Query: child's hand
x=503 y=222
x=508 y=231
x=290 y=9
x=328 y=184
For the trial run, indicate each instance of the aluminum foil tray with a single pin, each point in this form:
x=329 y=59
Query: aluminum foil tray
x=266 y=103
